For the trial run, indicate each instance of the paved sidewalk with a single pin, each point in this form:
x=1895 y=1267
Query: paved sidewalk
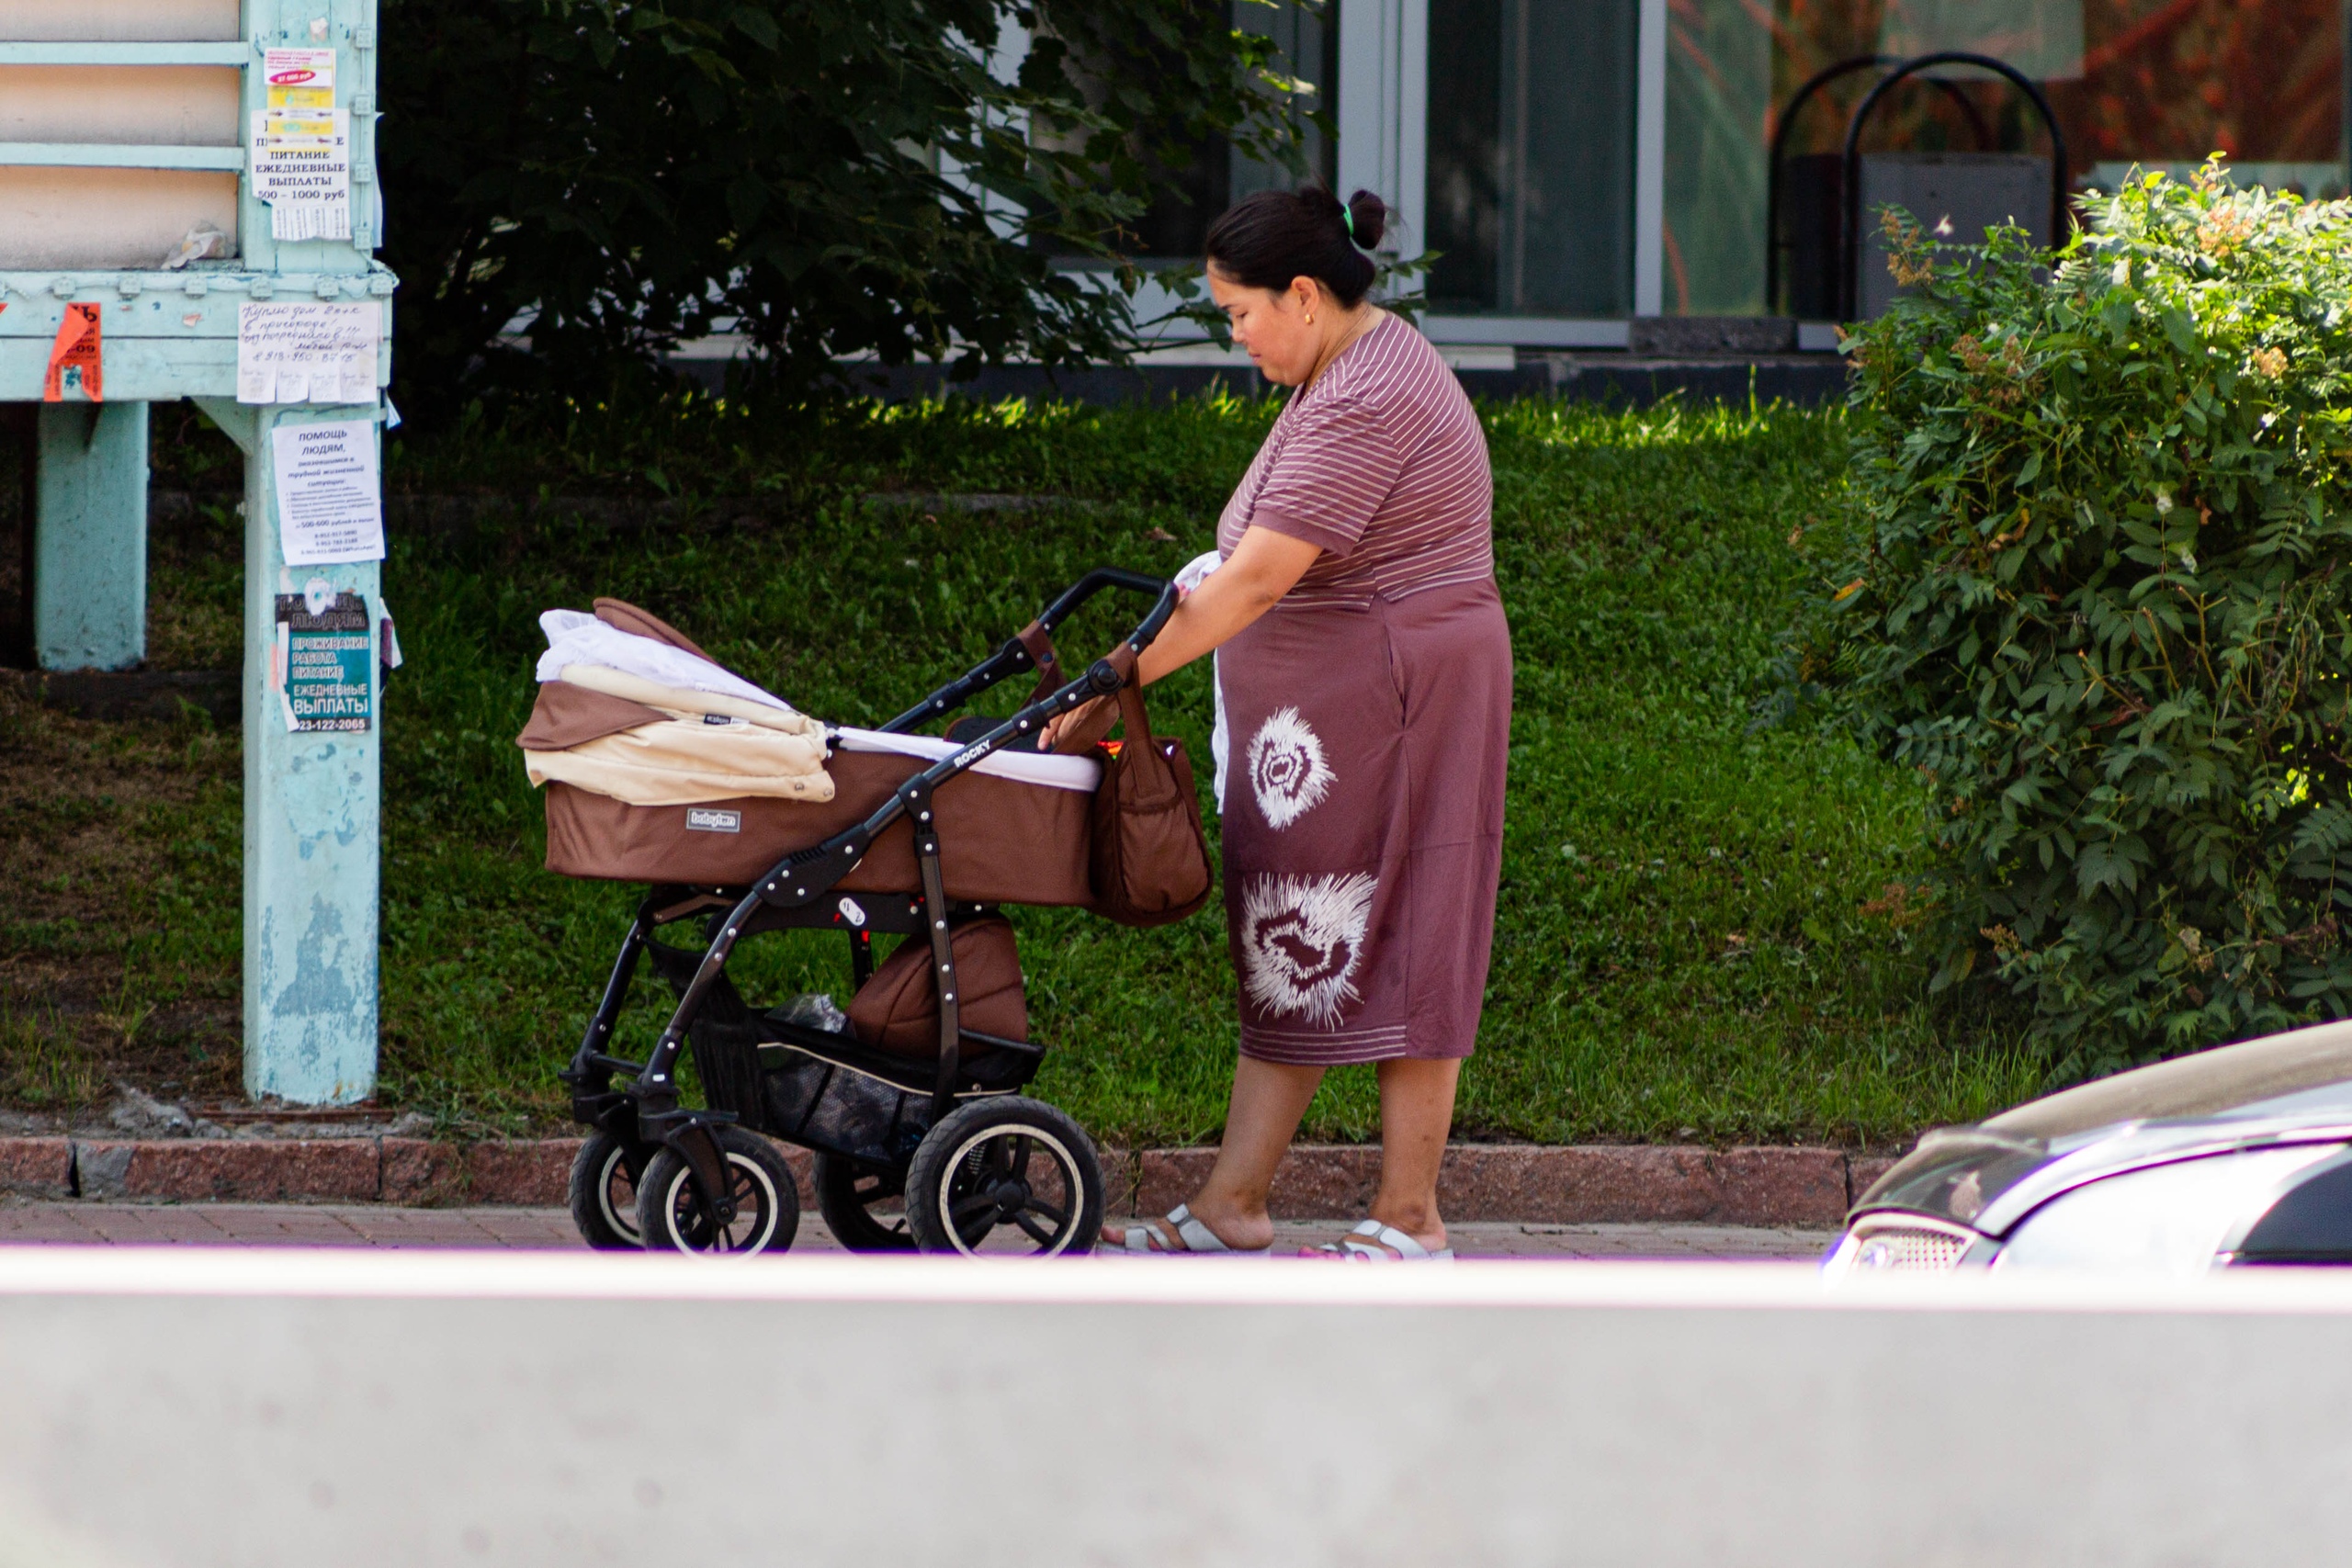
x=372 y=1225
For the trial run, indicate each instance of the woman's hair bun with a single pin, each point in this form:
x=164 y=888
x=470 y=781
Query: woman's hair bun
x=1269 y=238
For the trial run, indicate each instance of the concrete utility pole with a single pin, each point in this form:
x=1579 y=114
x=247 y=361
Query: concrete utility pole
x=183 y=163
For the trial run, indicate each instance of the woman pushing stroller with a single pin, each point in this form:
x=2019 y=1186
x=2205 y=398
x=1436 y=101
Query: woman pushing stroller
x=1364 y=677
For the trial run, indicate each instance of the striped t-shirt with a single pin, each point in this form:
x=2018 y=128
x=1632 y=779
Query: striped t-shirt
x=1381 y=461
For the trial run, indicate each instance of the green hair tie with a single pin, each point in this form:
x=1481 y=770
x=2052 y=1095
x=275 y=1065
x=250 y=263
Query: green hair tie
x=1348 y=216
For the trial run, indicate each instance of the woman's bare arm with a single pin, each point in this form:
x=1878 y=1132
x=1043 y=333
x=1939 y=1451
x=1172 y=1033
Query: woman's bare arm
x=1264 y=567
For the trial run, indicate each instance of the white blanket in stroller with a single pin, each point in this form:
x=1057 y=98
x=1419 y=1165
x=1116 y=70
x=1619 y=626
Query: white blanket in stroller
x=589 y=652
x=1078 y=773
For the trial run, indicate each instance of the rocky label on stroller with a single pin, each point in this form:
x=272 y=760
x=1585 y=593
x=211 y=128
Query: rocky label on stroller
x=744 y=816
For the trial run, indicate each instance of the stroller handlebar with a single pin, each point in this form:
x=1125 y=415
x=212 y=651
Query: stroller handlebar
x=1016 y=657
x=1162 y=588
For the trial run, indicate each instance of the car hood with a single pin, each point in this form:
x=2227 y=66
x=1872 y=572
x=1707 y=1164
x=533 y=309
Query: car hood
x=2292 y=1088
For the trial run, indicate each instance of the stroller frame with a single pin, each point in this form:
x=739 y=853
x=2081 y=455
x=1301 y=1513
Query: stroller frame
x=645 y=1115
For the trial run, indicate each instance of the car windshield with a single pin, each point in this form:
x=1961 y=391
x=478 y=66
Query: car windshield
x=2227 y=1077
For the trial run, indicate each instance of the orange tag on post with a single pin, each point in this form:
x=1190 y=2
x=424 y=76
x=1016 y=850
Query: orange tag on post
x=75 y=356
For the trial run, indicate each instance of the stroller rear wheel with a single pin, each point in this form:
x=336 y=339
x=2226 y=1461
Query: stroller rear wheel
x=603 y=1194
x=672 y=1218
x=847 y=1191
x=1009 y=1176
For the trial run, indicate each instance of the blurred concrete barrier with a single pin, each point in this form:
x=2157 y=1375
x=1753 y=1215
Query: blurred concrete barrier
x=253 y=1409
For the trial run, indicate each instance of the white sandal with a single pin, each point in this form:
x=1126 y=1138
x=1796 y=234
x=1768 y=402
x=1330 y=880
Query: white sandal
x=1389 y=1244
x=1146 y=1241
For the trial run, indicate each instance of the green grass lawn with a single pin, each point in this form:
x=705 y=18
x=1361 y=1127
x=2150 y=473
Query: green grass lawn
x=1696 y=938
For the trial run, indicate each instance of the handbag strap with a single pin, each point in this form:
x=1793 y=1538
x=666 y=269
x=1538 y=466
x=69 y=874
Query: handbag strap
x=1040 y=644
x=1102 y=715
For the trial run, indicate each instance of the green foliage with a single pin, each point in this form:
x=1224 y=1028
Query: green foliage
x=828 y=179
x=2093 y=591
x=1705 y=933
x=42 y=1064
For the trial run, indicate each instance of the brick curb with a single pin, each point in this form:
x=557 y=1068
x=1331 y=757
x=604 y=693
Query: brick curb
x=1575 y=1184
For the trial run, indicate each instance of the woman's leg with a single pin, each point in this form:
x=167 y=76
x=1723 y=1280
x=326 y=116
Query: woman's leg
x=1416 y=1115
x=1269 y=1099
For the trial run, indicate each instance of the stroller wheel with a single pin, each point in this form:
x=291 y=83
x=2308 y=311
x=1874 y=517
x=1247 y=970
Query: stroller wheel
x=767 y=1200
x=847 y=1192
x=1012 y=1177
x=603 y=1194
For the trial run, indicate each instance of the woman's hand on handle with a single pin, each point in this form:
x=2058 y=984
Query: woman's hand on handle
x=1264 y=567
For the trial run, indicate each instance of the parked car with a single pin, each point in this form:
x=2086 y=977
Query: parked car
x=2237 y=1155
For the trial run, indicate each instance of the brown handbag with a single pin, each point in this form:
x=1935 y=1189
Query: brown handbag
x=1148 y=860
x=898 y=1007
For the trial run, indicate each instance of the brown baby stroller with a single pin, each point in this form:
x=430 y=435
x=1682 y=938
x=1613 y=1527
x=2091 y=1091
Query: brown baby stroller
x=911 y=1100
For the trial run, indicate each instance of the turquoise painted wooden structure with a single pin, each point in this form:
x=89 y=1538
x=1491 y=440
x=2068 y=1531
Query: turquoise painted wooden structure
x=312 y=798
x=90 y=537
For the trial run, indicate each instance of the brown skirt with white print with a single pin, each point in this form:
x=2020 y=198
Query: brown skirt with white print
x=1363 y=821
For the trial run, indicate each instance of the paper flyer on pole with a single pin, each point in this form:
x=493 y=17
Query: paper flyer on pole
x=298 y=78
x=301 y=166
x=301 y=147
x=330 y=504
x=305 y=350
x=76 y=362
x=326 y=662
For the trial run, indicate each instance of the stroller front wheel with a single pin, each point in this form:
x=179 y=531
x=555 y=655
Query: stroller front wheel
x=767 y=1200
x=1005 y=1176
x=603 y=1194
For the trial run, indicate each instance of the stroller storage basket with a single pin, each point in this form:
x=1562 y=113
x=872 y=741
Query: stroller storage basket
x=823 y=1105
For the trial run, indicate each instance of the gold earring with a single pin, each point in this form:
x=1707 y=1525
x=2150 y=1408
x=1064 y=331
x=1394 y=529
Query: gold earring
x=1311 y=318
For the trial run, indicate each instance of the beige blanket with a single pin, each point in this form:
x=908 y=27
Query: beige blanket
x=686 y=761
x=683 y=701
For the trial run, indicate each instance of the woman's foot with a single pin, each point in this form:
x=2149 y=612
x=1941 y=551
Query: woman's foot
x=1182 y=1231
x=1372 y=1242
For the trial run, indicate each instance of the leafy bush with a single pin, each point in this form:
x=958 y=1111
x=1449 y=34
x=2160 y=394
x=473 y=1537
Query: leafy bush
x=2094 y=588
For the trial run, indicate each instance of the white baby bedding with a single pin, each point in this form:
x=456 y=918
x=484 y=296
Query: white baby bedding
x=589 y=652
x=723 y=738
